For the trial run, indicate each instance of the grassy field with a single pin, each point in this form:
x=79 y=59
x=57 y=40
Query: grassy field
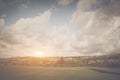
x=58 y=73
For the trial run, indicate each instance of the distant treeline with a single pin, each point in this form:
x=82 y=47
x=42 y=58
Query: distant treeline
x=82 y=61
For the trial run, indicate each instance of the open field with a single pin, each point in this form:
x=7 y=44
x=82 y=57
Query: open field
x=58 y=73
x=78 y=61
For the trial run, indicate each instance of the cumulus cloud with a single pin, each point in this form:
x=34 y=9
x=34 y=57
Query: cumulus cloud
x=24 y=32
x=97 y=22
x=25 y=28
x=97 y=31
x=2 y=22
x=64 y=2
x=29 y=35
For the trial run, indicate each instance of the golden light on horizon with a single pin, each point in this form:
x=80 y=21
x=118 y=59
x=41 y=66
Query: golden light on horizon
x=39 y=54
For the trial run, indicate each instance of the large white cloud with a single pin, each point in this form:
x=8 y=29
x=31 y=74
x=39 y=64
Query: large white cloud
x=29 y=35
x=97 y=31
x=24 y=32
x=25 y=28
x=98 y=26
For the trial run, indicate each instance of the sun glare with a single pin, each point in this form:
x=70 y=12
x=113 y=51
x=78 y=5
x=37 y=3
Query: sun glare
x=39 y=54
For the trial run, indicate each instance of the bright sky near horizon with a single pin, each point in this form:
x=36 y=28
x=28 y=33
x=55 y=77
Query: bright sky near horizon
x=59 y=27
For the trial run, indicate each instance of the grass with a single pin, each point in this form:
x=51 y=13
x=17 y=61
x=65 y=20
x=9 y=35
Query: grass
x=57 y=73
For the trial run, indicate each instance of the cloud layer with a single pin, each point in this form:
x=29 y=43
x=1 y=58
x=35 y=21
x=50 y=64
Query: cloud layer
x=29 y=35
x=93 y=29
x=98 y=26
x=24 y=33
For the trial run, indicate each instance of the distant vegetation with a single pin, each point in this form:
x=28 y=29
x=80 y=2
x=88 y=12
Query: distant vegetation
x=82 y=61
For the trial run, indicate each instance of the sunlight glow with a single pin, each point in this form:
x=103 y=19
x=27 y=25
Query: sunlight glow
x=39 y=54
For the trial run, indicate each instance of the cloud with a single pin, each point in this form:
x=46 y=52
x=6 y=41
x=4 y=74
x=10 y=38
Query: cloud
x=29 y=35
x=24 y=33
x=107 y=7
x=2 y=22
x=94 y=29
x=98 y=28
x=88 y=4
x=64 y=2
x=28 y=27
x=61 y=36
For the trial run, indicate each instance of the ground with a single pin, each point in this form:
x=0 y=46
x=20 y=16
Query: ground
x=58 y=73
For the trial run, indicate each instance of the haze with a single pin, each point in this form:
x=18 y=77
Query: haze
x=59 y=27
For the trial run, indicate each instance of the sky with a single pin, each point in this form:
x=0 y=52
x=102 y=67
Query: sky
x=59 y=27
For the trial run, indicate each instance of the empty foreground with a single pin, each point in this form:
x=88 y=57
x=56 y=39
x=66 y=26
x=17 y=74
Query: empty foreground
x=58 y=73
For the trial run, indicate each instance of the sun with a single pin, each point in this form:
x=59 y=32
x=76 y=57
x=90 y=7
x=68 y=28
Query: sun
x=39 y=54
